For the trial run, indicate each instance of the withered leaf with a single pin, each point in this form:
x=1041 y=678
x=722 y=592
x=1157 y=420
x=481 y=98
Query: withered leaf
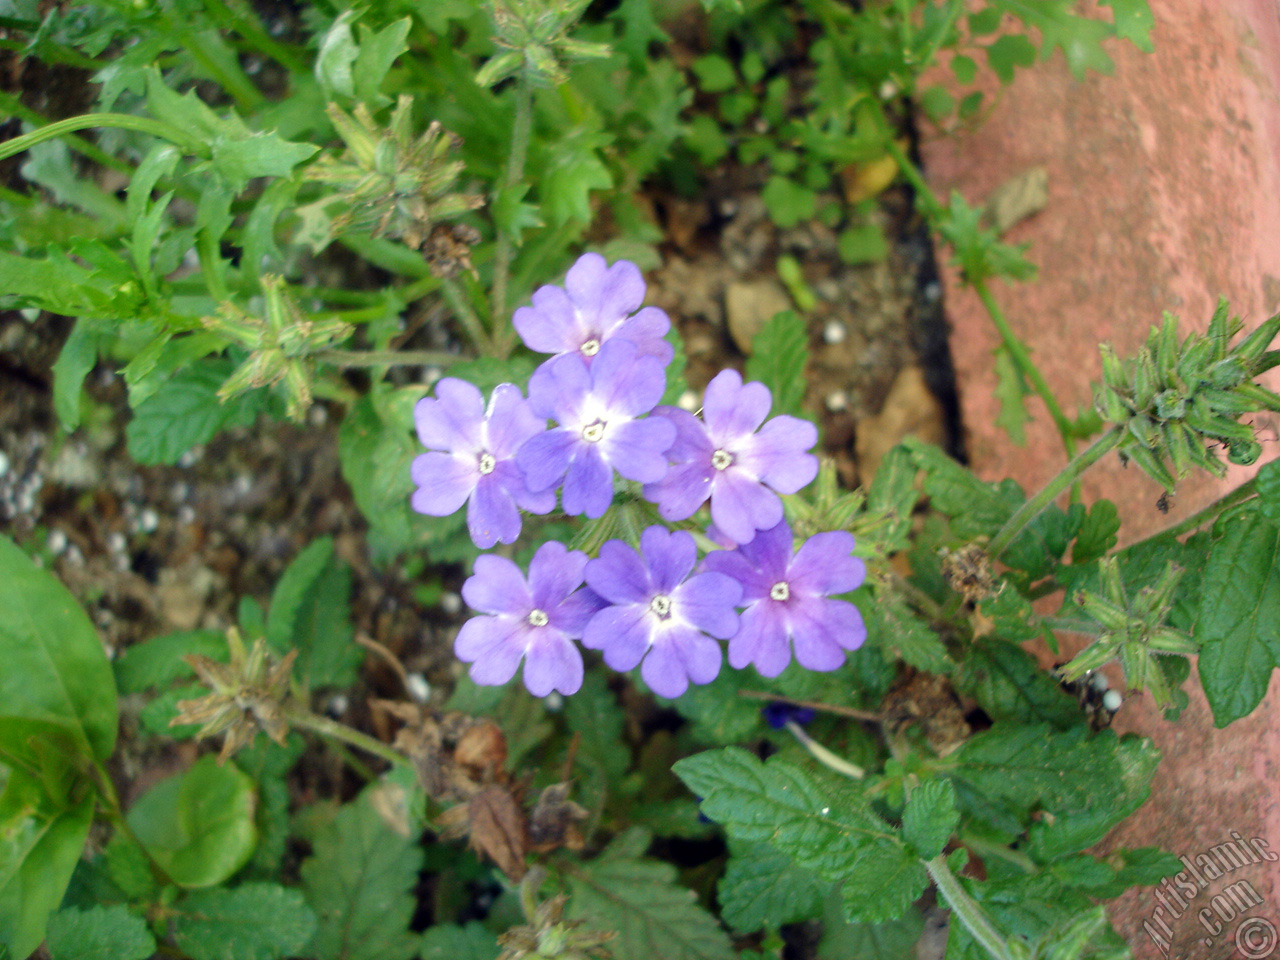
x=498 y=829
x=553 y=820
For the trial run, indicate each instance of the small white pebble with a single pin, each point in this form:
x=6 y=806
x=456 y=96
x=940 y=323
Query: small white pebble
x=834 y=332
x=1099 y=682
x=191 y=457
x=57 y=542
x=933 y=292
x=431 y=374
x=242 y=484
x=415 y=684
x=25 y=500
x=318 y=415
x=148 y=520
x=116 y=543
x=179 y=492
x=1111 y=700
x=186 y=513
x=4 y=463
x=337 y=706
x=688 y=401
x=73 y=556
x=450 y=602
x=888 y=90
x=837 y=401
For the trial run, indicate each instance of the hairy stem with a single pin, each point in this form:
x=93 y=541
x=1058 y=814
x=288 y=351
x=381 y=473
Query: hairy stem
x=387 y=358
x=967 y=909
x=520 y=130
x=300 y=716
x=1207 y=515
x=120 y=121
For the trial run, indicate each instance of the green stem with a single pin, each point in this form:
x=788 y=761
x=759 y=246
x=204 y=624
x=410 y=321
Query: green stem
x=1209 y=513
x=302 y=717
x=387 y=358
x=485 y=343
x=1021 y=357
x=120 y=121
x=987 y=848
x=115 y=813
x=237 y=17
x=1068 y=475
x=967 y=909
x=520 y=130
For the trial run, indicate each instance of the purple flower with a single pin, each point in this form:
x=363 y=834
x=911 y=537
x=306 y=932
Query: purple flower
x=597 y=409
x=787 y=601
x=657 y=615
x=596 y=304
x=535 y=621
x=478 y=467
x=730 y=459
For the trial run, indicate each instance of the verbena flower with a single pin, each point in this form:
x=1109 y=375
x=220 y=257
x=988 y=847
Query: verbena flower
x=659 y=614
x=730 y=459
x=597 y=303
x=597 y=410
x=477 y=466
x=535 y=621
x=787 y=600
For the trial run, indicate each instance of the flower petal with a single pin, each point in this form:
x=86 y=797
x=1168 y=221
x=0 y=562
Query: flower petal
x=769 y=551
x=707 y=601
x=451 y=419
x=812 y=634
x=637 y=448
x=669 y=555
x=493 y=646
x=740 y=506
x=682 y=491
x=762 y=639
x=588 y=483
x=497 y=586
x=551 y=324
x=510 y=421
x=553 y=662
x=647 y=330
x=825 y=564
x=619 y=575
x=555 y=572
x=492 y=516
x=444 y=483
x=733 y=564
x=622 y=632
x=733 y=409
x=558 y=388
x=777 y=454
x=543 y=459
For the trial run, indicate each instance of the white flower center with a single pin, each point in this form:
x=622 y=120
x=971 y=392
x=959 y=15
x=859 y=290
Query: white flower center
x=591 y=347
x=780 y=591
x=661 y=605
x=722 y=459
x=538 y=618
x=487 y=463
x=593 y=432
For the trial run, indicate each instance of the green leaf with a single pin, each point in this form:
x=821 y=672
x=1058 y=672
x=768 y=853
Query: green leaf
x=715 y=74
x=379 y=49
x=1008 y=684
x=910 y=638
x=762 y=889
x=198 y=826
x=54 y=665
x=42 y=843
x=717 y=713
x=1012 y=392
x=1097 y=534
x=573 y=169
x=360 y=883
x=60 y=286
x=830 y=830
x=1008 y=53
x=639 y=899
x=311 y=612
x=256 y=921
x=1079 y=38
x=863 y=243
x=185 y=411
x=245 y=156
x=1133 y=22
x=788 y=202
x=779 y=353
x=338 y=52
x=445 y=941
x=964 y=68
x=129 y=867
x=1239 y=625
x=890 y=940
x=76 y=359
x=100 y=933
x=930 y=817
x=158 y=661
x=937 y=102
x=977 y=509
x=1268 y=486
x=594 y=715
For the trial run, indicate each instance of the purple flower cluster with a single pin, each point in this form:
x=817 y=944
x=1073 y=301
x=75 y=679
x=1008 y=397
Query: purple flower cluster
x=657 y=608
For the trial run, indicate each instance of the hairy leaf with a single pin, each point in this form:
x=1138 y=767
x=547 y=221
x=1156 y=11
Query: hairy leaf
x=99 y=933
x=779 y=353
x=185 y=411
x=1008 y=684
x=1012 y=392
x=446 y=941
x=158 y=661
x=930 y=817
x=639 y=899
x=256 y=921
x=762 y=889
x=310 y=611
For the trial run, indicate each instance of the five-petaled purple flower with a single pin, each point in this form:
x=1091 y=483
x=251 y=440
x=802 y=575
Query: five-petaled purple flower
x=659 y=614
x=729 y=458
x=598 y=410
x=596 y=304
x=478 y=467
x=787 y=600
x=535 y=621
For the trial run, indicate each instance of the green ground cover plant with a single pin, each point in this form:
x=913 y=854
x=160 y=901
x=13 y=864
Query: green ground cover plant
x=289 y=189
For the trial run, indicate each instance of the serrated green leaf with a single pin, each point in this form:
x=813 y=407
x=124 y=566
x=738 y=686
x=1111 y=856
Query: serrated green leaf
x=788 y=202
x=1008 y=53
x=338 y=51
x=240 y=158
x=715 y=74
x=910 y=638
x=1097 y=534
x=256 y=921
x=863 y=243
x=594 y=715
x=99 y=933
x=676 y=383
x=573 y=170
x=1268 y=486
x=310 y=611
x=129 y=867
x=1008 y=684
x=43 y=843
x=1012 y=392
x=379 y=49
x=1133 y=22
x=1041 y=546
x=831 y=831
x=158 y=661
x=1239 y=613
x=54 y=666
x=652 y=915
x=977 y=509
x=717 y=713
x=891 y=940
x=446 y=941
x=762 y=889
x=893 y=495
x=78 y=356
x=359 y=882
x=779 y=353
x=185 y=411
x=930 y=817
x=198 y=826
